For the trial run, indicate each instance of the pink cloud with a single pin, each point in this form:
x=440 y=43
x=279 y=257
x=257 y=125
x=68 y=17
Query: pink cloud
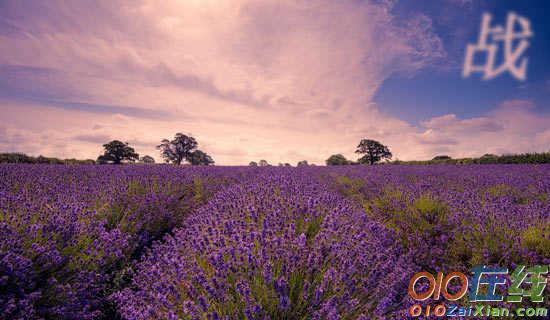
x=511 y=127
x=279 y=80
x=282 y=76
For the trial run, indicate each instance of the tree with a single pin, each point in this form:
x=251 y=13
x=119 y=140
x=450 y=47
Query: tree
x=147 y=159
x=179 y=149
x=263 y=163
x=253 y=164
x=337 y=160
x=488 y=158
x=373 y=151
x=443 y=157
x=302 y=163
x=200 y=158
x=116 y=152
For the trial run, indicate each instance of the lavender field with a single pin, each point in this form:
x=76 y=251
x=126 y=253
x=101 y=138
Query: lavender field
x=162 y=242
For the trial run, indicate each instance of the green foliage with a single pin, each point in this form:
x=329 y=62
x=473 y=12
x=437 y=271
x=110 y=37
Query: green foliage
x=198 y=189
x=117 y=152
x=443 y=157
x=337 y=160
x=537 y=239
x=499 y=190
x=178 y=149
x=420 y=222
x=310 y=226
x=82 y=254
x=429 y=211
x=147 y=159
x=482 y=244
x=420 y=218
x=350 y=187
x=504 y=190
x=313 y=226
x=425 y=219
x=372 y=151
x=265 y=293
x=524 y=158
x=23 y=158
x=302 y=163
x=200 y=158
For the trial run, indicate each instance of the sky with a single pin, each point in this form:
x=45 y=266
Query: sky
x=278 y=80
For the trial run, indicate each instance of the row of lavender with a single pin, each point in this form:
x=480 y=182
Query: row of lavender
x=340 y=243
x=459 y=216
x=264 y=243
x=280 y=247
x=68 y=234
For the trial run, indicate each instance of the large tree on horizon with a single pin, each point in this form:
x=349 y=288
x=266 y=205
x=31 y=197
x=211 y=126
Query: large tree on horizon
x=337 y=160
x=373 y=151
x=116 y=152
x=200 y=158
x=147 y=159
x=183 y=147
x=178 y=149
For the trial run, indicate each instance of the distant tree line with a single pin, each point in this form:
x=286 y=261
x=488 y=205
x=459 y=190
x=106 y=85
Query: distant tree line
x=181 y=148
x=117 y=152
x=523 y=158
x=264 y=163
x=371 y=152
x=184 y=149
x=16 y=157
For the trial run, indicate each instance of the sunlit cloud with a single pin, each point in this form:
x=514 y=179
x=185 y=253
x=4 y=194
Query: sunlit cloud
x=280 y=80
x=512 y=126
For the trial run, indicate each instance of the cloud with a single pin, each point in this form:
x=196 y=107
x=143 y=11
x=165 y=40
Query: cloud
x=93 y=138
x=17 y=140
x=517 y=104
x=451 y=123
x=282 y=75
x=280 y=80
x=430 y=137
x=513 y=126
x=161 y=75
x=48 y=87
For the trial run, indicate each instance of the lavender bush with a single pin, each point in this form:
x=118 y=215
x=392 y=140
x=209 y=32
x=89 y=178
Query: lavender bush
x=282 y=247
x=69 y=233
x=464 y=215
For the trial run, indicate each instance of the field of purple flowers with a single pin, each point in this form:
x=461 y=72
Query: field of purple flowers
x=162 y=242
